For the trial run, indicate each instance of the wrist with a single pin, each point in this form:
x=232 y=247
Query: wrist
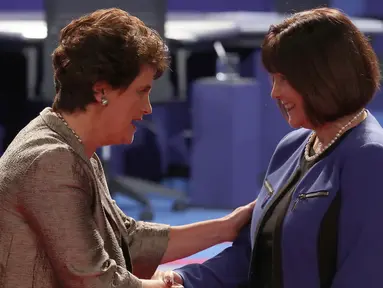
x=223 y=229
x=150 y=283
x=145 y=284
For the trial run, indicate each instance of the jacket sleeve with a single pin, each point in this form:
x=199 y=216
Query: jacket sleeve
x=229 y=269
x=56 y=200
x=147 y=246
x=360 y=242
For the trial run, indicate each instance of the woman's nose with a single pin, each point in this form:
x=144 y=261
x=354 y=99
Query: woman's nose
x=147 y=108
x=275 y=92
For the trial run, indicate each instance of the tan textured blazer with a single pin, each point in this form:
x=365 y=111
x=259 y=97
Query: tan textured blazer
x=58 y=224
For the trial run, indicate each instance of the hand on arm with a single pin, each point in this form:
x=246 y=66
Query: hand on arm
x=175 y=241
x=189 y=239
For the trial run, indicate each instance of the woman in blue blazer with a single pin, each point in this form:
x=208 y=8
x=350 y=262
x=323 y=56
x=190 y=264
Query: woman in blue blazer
x=318 y=218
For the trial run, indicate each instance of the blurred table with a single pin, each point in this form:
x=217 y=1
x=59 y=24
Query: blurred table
x=184 y=32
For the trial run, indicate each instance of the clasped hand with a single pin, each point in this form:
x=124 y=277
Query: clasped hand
x=168 y=279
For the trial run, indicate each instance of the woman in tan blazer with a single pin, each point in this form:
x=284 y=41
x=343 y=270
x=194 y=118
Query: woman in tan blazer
x=59 y=226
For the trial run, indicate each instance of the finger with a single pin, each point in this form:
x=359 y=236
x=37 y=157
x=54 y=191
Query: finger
x=168 y=278
x=252 y=204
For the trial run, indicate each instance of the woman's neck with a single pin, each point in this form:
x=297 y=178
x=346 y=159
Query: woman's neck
x=83 y=125
x=326 y=133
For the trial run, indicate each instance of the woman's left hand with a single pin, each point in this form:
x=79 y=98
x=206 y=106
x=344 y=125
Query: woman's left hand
x=206 y=234
x=237 y=219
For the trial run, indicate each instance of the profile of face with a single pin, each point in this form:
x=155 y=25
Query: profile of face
x=124 y=107
x=290 y=100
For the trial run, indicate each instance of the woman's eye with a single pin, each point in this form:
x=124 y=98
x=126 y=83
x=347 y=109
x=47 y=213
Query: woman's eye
x=142 y=92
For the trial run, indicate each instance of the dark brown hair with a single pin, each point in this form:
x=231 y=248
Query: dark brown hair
x=107 y=45
x=326 y=59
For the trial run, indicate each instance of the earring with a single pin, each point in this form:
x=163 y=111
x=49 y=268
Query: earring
x=104 y=101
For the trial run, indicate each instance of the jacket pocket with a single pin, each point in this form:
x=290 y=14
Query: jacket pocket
x=304 y=196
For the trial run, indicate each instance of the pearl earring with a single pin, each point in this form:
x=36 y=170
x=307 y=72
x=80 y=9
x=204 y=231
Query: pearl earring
x=104 y=102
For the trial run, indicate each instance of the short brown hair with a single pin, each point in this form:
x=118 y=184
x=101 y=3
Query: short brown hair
x=107 y=45
x=326 y=59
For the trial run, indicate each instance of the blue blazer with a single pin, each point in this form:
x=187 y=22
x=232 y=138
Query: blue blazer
x=353 y=172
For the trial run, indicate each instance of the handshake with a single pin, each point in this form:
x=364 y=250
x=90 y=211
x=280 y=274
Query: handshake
x=164 y=279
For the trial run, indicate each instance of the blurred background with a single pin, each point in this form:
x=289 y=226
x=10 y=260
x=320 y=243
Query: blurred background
x=205 y=149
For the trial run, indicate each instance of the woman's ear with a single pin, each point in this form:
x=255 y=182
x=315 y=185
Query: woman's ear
x=99 y=90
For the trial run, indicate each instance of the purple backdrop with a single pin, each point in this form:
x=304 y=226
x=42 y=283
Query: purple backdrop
x=174 y=5
x=21 y=5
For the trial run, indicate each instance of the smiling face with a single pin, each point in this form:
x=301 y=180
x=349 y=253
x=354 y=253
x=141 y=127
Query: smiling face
x=290 y=101
x=125 y=107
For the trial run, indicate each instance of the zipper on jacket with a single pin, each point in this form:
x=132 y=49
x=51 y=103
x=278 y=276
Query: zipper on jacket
x=270 y=192
x=304 y=196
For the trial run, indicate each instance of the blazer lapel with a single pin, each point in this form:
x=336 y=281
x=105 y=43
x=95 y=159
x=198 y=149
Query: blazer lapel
x=106 y=201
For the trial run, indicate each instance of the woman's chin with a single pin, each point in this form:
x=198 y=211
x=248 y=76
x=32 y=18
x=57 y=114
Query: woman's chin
x=129 y=139
x=300 y=124
x=294 y=122
x=294 y=125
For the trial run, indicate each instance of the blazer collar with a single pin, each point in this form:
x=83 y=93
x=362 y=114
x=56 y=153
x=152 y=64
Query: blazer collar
x=57 y=125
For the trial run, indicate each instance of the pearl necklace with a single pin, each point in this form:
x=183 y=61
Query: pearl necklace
x=66 y=124
x=313 y=135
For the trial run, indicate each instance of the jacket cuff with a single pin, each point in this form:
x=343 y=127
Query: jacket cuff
x=148 y=248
